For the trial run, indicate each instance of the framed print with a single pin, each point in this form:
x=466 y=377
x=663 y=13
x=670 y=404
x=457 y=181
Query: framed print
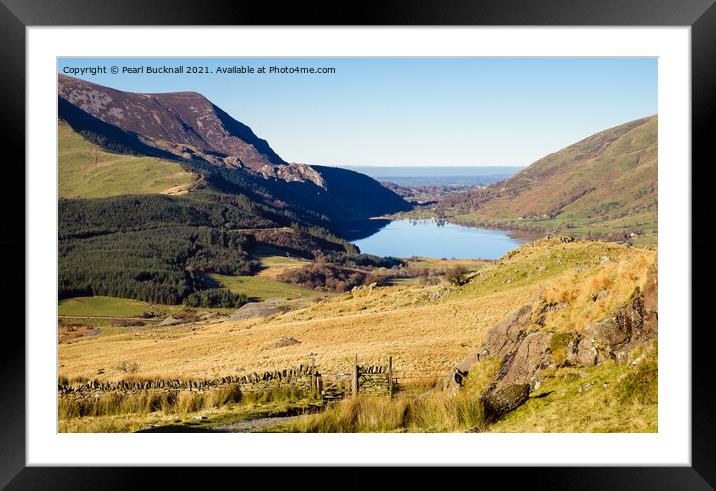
x=415 y=236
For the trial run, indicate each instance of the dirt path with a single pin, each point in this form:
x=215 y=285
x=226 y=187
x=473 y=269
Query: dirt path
x=108 y=317
x=243 y=426
x=254 y=425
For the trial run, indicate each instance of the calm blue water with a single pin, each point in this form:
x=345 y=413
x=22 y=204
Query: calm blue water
x=425 y=238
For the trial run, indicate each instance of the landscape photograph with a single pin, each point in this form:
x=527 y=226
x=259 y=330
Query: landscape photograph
x=357 y=245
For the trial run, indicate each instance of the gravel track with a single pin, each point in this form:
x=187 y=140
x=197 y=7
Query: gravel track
x=242 y=426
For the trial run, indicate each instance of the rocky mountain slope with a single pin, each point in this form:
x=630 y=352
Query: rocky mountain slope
x=604 y=186
x=185 y=124
x=188 y=128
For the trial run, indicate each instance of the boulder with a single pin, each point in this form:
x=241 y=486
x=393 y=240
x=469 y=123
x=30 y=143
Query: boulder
x=533 y=354
x=171 y=321
x=504 y=338
x=498 y=401
x=285 y=341
x=255 y=310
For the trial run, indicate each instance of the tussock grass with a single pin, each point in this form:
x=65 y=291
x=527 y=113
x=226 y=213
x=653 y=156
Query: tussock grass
x=558 y=345
x=439 y=412
x=580 y=291
x=419 y=385
x=123 y=412
x=124 y=423
x=540 y=263
x=411 y=410
x=170 y=402
x=145 y=402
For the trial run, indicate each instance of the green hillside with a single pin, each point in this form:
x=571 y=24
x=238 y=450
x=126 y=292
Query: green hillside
x=88 y=171
x=604 y=186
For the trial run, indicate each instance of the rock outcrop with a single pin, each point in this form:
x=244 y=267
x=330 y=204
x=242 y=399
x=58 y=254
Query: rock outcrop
x=171 y=321
x=255 y=310
x=284 y=341
x=617 y=335
x=525 y=353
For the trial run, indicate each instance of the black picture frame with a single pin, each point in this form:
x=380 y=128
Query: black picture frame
x=16 y=15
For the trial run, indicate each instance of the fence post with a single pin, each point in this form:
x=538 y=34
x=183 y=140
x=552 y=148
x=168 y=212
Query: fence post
x=390 y=376
x=355 y=377
x=314 y=383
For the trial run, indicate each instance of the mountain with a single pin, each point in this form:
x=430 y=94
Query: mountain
x=604 y=186
x=188 y=128
x=185 y=124
x=157 y=191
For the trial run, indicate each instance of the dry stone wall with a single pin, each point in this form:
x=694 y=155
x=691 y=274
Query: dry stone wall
x=372 y=380
x=302 y=378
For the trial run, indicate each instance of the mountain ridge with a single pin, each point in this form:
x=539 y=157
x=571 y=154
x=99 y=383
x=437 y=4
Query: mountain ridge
x=604 y=186
x=189 y=128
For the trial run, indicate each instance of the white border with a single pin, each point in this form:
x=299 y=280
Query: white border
x=670 y=446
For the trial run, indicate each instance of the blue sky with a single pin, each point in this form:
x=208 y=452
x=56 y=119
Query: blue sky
x=413 y=111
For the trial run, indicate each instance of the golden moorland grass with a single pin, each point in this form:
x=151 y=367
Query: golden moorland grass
x=606 y=398
x=422 y=327
x=431 y=410
x=119 y=412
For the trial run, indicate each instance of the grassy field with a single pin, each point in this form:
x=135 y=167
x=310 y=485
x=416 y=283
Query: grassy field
x=87 y=171
x=422 y=327
x=281 y=262
x=264 y=284
x=120 y=307
x=107 y=307
x=261 y=288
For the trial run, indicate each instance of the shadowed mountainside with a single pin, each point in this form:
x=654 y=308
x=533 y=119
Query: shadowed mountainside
x=188 y=128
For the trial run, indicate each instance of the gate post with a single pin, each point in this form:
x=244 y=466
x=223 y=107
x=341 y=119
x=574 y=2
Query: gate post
x=355 y=377
x=390 y=376
x=314 y=382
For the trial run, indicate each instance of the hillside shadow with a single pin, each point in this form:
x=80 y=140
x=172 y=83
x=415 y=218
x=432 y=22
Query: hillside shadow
x=360 y=229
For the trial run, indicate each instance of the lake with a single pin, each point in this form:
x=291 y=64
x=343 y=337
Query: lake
x=427 y=238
